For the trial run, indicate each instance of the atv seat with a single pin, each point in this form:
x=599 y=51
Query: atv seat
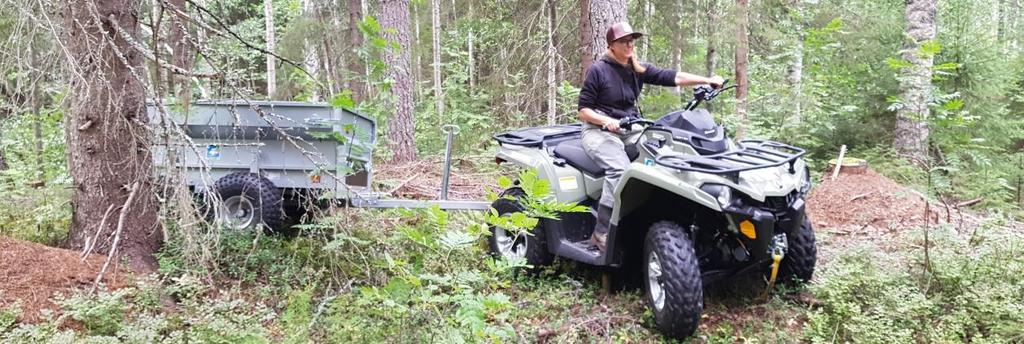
x=572 y=152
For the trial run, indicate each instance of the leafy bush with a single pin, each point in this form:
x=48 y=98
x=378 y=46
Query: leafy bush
x=969 y=289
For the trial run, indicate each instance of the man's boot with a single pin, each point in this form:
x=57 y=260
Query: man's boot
x=600 y=235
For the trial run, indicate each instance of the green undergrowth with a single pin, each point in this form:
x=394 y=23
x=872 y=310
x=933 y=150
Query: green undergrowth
x=358 y=276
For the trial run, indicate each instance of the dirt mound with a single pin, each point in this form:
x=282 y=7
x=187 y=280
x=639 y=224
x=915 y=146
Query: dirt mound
x=865 y=201
x=31 y=274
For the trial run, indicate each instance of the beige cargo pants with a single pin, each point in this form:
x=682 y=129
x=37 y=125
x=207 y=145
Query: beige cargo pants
x=608 y=150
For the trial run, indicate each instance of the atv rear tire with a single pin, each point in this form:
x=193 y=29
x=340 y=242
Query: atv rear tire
x=248 y=201
x=798 y=265
x=533 y=248
x=672 y=285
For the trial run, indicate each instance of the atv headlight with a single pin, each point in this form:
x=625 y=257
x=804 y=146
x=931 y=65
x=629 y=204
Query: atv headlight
x=721 y=192
x=805 y=182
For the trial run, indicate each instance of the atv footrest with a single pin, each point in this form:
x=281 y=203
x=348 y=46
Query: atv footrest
x=580 y=251
x=753 y=154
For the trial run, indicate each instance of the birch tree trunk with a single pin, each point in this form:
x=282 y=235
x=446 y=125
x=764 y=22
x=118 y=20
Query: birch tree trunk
x=108 y=142
x=602 y=14
x=395 y=22
x=435 y=17
x=552 y=87
x=796 y=68
x=742 y=52
x=911 y=132
x=268 y=13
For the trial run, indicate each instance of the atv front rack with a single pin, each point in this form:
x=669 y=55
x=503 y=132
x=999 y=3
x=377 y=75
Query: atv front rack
x=752 y=155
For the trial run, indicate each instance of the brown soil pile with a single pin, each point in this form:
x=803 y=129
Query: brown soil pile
x=422 y=179
x=30 y=274
x=866 y=202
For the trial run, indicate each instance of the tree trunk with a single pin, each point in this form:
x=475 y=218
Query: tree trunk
x=602 y=14
x=107 y=138
x=311 y=58
x=268 y=13
x=711 y=56
x=742 y=50
x=1001 y=26
x=796 y=67
x=552 y=60
x=645 y=44
x=911 y=133
x=355 y=38
x=395 y=22
x=182 y=51
x=586 y=33
x=676 y=26
x=37 y=129
x=435 y=30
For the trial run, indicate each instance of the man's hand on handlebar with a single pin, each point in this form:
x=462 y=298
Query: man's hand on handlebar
x=612 y=126
x=716 y=81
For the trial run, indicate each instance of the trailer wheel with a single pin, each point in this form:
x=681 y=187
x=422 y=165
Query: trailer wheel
x=248 y=201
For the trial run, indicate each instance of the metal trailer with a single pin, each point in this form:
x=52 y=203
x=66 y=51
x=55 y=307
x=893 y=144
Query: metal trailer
x=256 y=154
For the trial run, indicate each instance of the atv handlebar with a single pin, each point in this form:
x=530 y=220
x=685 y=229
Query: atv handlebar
x=628 y=122
x=706 y=93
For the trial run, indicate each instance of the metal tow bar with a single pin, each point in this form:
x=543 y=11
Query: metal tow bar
x=451 y=130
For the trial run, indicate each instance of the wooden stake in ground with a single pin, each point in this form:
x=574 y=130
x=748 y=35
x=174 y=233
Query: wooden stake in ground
x=839 y=162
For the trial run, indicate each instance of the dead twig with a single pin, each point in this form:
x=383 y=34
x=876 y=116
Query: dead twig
x=861 y=196
x=117 y=234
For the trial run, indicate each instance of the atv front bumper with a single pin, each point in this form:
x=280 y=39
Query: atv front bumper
x=757 y=224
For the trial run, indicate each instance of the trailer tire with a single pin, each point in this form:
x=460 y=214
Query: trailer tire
x=249 y=200
x=534 y=247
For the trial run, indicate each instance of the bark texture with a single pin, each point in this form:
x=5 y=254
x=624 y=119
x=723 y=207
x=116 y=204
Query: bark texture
x=268 y=14
x=552 y=60
x=182 y=50
x=711 y=55
x=435 y=31
x=395 y=21
x=911 y=132
x=107 y=139
x=742 y=55
x=600 y=16
x=355 y=38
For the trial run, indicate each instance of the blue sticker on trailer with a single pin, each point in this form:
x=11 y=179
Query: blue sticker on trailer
x=213 y=152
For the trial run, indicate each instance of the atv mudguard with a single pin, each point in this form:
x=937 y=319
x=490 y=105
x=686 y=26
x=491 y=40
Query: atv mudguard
x=633 y=190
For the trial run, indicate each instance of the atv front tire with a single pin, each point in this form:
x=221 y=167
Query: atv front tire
x=248 y=201
x=798 y=265
x=672 y=285
x=505 y=243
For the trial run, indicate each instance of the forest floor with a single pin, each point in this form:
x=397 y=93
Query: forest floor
x=852 y=210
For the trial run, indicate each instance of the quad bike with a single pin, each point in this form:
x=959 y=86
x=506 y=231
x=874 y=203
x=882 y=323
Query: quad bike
x=694 y=207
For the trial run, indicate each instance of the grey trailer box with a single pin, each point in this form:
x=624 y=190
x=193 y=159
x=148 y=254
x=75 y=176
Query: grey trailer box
x=295 y=145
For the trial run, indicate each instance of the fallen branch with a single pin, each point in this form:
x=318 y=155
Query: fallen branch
x=861 y=196
x=970 y=203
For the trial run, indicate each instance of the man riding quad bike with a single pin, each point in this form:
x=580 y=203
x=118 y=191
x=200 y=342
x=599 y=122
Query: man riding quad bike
x=691 y=208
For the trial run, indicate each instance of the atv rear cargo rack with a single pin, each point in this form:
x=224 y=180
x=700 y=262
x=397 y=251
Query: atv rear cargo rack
x=538 y=136
x=752 y=155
